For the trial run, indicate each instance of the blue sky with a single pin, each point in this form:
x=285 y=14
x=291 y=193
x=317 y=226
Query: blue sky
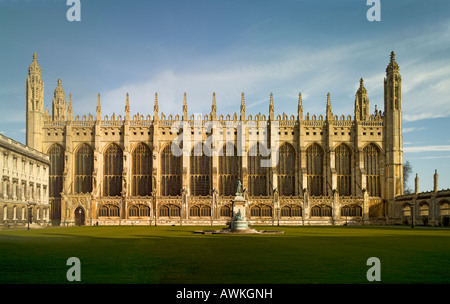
x=229 y=47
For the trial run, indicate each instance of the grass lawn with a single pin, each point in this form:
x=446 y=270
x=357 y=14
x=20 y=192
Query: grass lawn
x=174 y=254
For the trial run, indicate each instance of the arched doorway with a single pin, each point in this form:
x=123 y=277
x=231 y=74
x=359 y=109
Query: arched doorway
x=79 y=216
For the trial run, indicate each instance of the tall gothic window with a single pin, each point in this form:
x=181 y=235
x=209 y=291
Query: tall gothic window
x=112 y=171
x=229 y=169
x=372 y=166
x=84 y=165
x=200 y=165
x=257 y=173
x=286 y=170
x=142 y=171
x=314 y=169
x=171 y=172
x=343 y=157
x=56 y=153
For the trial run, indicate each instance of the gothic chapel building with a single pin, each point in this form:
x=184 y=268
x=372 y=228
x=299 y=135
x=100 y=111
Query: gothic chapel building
x=122 y=170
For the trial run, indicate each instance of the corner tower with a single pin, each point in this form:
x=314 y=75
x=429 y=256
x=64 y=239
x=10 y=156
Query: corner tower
x=393 y=141
x=35 y=105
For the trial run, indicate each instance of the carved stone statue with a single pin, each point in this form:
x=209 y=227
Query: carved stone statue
x=239 y=188
x=239 y=216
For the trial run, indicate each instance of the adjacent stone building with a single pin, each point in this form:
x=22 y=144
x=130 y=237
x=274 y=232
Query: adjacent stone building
x=428 y=208
x=24 y=185
x=155 y=169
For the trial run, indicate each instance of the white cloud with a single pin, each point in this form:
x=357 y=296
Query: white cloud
x=435 y=148
x=411 y=129
x=289 y=70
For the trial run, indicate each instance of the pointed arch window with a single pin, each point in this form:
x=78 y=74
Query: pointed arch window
x=112 y=171
x=444 y=208
x=200 y=211
x=261 y=211
x=372 y=166
x=343 y=157
x=314 y=169
x=142 y=171
x=170 y=210
x=291 y=211
x=171 y=172
x=321 y=211
x=351 y=210
x=200 y=166
x=84 y=165
x=109 y=210
x=229 y=170
x=139 y=210
x=257 y=172
x=56 y=153
x=286 y=170
x=225 y=211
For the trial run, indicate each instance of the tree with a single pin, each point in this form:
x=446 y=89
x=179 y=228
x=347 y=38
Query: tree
x=407 y=169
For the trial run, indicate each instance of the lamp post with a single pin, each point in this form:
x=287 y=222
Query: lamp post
x=412 y=215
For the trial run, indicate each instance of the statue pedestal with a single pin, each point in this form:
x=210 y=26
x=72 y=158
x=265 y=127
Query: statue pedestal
x=239 y=217
x=239 y=223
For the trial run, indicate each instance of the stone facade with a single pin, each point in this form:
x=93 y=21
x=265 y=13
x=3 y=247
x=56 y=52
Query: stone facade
x=428 y=208
x=24 y=185
x=126 y=169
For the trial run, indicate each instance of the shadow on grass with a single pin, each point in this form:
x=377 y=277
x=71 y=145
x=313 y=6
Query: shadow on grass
x=111 y=255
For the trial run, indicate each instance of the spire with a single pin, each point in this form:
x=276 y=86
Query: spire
x=59 y=91
x=214 y=108
x=185 y=109
x=242 y=107
x=34 y=67
x=156 y=108
x=416 y=184
x=99 y=108
x=361 y=89
x=393 y=66
x=127 y=108
x=70 y=109
x=59 y=103
x=300 y=107
x=329 y=112
x=361 y=102
x=436 y=183
x=271 y=108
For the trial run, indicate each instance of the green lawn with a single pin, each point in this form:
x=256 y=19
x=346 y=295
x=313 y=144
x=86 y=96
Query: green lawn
x=174 y=254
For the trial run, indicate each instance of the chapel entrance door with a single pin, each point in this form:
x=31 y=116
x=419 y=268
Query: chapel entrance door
x=79 y=216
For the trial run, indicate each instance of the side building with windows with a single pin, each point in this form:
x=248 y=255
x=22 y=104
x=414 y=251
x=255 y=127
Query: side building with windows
x=424 y=208
x=24 y=191
x=156 y=169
